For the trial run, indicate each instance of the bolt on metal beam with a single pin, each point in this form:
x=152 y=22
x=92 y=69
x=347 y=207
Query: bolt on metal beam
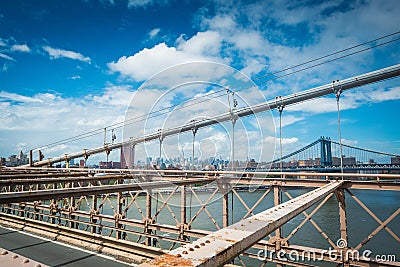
x=11 y=259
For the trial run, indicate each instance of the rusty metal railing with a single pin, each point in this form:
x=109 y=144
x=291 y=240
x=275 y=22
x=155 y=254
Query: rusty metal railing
x=138 y=215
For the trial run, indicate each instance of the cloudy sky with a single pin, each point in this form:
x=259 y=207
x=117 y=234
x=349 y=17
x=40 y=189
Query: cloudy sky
x=71 y=67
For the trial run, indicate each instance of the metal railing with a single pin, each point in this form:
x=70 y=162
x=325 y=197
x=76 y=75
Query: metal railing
x=137 y=215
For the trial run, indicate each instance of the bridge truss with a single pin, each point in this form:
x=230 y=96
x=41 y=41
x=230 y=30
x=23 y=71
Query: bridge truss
x=324 y=155
x=139 y=215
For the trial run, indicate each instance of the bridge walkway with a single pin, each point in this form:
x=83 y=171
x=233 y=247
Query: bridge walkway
x=49 y=253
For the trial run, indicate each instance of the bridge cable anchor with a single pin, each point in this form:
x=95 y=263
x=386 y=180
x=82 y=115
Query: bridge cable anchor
x=160 y=139
x=337 y=90
x=233 y=117
x=280 y=107
x=194 y=132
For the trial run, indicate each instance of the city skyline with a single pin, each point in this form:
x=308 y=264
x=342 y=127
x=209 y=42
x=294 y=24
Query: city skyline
x=318 y=154
x=70 y=68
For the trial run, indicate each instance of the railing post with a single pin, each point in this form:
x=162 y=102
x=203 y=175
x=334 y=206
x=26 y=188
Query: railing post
x=224 y=188
x=30 y=158
x=53 y=207
x=183 y=225
x=22 y=207
x=278 y=232
x=148 y=220
x=93 y=212
x=225 y=210
x=118 y=215
x=343 y=244
x=53 y=211
x=36 y=210
x=72 y=208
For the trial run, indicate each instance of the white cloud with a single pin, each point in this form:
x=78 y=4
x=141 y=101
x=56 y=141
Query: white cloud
x=256 y=49
x=55 y=53
x=384 y=94
x=91 y=122
x=289 y=144
x=138 y=3
x=259 y=45
x=21 y=48
x=154 y=32
x=245 y=46
x=75 y=77
x=147 y=62
x=285 y=141
x=18 y=98
x=220 y=22
x=250 y=40
x=6 y=57
x=51 y=117
x=203 y=43
x=253 y=65
x=154 y=96
x=319 y=105
x=76 y=116
x=349 y=142
x=139 y=67
x=115 y=96
x=288 y=120
x=348 y=100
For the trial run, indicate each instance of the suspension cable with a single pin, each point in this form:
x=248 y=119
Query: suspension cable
x=338 y=92
x=329 y=61
x=280 y=109
x=329 y=55
x=118 y=125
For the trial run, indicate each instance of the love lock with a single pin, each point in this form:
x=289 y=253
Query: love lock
x=54 y=207
x=71 y=209
x=117 y=217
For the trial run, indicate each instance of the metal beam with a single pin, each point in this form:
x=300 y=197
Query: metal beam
x=371 y=185
x=223 y=245
x=122 y=249
x=327 y=89
x=15 y=174
x=241 y=174
x=15 y=197
x=62 y=179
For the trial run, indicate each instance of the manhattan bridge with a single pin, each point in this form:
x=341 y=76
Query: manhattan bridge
x=324 y=155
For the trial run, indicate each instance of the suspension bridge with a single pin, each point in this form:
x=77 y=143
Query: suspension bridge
x=205 y=218
x=324 y=155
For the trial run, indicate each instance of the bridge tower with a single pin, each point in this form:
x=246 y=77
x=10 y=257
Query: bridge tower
x=127 y=157
x=326 y=151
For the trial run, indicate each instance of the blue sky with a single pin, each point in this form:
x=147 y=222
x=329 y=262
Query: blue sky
x=68 y=67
